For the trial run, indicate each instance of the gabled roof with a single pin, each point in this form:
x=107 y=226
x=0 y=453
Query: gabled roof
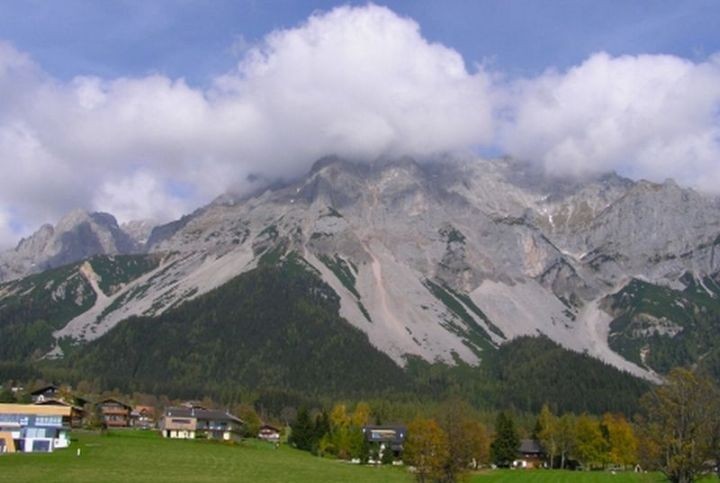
x=113 y=400
x=57 y=402
x=204 y=414
x=530 y=446
x=44 y=389
x=271 y=428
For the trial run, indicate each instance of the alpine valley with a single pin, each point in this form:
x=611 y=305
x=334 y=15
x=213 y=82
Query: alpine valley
x=367 y=277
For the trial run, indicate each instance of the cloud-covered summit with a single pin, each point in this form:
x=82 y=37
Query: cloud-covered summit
x=359 y=82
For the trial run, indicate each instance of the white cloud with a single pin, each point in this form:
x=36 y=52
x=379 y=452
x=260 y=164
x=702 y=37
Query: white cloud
x=360 y=82
x=138 y=197
x=651 y=116
x=357 y=82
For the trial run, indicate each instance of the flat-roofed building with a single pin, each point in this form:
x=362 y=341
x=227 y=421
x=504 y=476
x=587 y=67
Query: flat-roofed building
x=33 y=428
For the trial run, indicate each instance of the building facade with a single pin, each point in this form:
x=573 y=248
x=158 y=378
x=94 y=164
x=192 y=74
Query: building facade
x=386 y=437
x=192 y=423
x=32 y=428
x=115 y=414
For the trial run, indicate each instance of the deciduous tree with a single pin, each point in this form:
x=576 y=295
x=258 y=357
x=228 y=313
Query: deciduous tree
x=547 y=432
x=426 y=448
x=680 y=418
x=621 y=438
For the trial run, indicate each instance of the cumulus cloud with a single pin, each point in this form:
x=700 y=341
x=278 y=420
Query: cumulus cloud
x=359 y=82
x=651 y=116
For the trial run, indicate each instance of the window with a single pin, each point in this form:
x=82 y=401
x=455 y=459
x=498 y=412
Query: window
x=48 y=420
x=41 y=446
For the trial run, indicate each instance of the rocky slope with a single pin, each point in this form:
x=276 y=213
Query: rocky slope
x=441 y=260
x=76 y=236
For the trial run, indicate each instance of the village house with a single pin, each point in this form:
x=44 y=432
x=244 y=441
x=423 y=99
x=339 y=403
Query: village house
x=196 y=422
x=143 y=417
x=77 y=413
x=34 y=428
x=386 y=437
x=530 y=454
x=115 y=413
x=269 y=433
x=44 y=393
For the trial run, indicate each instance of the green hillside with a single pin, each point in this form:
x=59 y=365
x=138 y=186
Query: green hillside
x=273 y=327
x=662 y=328
x=33 y=307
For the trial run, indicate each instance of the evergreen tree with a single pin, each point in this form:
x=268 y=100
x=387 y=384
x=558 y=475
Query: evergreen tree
x=301 y=435
x=364 y=451
x=320 y=429
x=504 y=447
x=387 y=456
x=6 y=395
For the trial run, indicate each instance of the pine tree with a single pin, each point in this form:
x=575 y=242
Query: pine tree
x=504 y=447
x=301 y=435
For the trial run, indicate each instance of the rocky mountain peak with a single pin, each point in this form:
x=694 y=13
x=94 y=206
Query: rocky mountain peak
x=78 y=235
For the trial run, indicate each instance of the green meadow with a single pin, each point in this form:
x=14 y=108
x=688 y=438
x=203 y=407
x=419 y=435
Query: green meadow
x=559 y=476
x=137 y=456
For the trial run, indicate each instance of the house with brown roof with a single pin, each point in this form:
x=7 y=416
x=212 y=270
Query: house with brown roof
x=115 y=413
x=269 y=433
x=143 y=417
x=77 y=414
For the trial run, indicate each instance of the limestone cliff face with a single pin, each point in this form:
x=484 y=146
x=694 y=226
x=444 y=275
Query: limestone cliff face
x=78 y=235
x=441 y=260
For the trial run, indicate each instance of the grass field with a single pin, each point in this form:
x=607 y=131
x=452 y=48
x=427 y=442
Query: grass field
x=136 y=456
x=558 y=476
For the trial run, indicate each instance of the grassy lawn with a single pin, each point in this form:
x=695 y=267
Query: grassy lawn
x=558 y=476
x=132 y=456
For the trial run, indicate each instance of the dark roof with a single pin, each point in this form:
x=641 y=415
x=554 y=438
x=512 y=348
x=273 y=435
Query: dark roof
x=113 y=400
x=530 y=446
x=57 y=402
x=44 y=389
x=207 y=414
x=267 y=426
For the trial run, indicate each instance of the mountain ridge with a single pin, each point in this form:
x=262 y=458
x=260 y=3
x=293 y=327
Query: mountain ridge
x=441 y=260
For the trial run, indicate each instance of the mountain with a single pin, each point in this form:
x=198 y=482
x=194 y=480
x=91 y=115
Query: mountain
x=443 y=261
x=76 y=236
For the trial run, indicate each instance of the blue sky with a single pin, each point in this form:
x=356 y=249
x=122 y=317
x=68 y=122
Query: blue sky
x=149 y=109
x=194 y=39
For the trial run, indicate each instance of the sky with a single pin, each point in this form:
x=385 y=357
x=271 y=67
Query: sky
x=149 y=109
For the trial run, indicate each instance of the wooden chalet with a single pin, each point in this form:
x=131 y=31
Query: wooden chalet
x=530 y=454
x=115 y=413
x=143 y=417
x=46 y=392
x=269 y=433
